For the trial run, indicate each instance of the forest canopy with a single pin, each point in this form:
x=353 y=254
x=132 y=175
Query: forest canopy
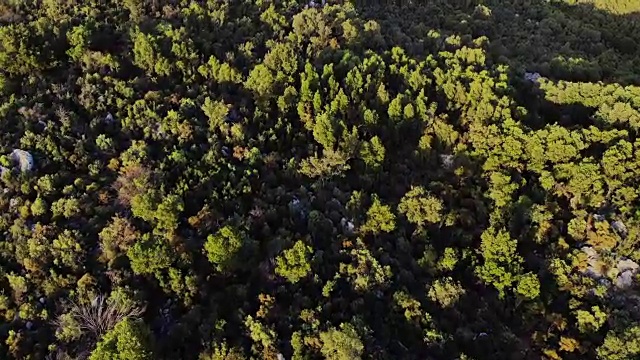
x=283 y=179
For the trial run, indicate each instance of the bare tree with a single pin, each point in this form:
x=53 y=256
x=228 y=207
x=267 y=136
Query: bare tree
x=58 y=355
x=101 y=315
x=133 y=180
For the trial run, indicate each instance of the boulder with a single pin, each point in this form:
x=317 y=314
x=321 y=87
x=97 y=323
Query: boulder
x=23 y=158
x=627 y=265
x=533 y=77
x=620 y=228
x=625 y=280
x=447 y=160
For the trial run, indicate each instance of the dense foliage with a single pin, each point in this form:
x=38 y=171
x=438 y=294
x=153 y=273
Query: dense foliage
x=231 y=179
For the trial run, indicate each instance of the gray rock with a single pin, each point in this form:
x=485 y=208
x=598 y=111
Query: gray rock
x=295 y=202
x=594 y=270
x=625 y=280
x=447 y=160
x=533 y=77
x=620 y=228
x=23 y=158
x=347 y=226
x=591 y=252
x=295 y=205
x=256 y=212
x=628 y=265
x=604 y=282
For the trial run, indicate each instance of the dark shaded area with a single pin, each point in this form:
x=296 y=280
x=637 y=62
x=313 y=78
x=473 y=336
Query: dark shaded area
x=561 y=41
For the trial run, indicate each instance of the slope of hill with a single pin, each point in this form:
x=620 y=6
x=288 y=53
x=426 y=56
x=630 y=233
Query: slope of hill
x=612 y=6
x=235 y=179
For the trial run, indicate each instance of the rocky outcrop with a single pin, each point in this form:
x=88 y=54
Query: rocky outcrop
x=622 y=273
x=23 y=158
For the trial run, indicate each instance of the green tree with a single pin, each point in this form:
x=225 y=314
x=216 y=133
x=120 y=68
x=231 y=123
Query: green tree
x=261 y=81
x=621 y=345
x=590 y=321
x=262 y=335
x=65 y=207
x=144 y=205
x=223 y=247
x=16 y=55
x=168 y=212
x=282 y=60
x=372 y=153
x=501 y=188
x=420 y=207
x=220 y=72
x=129 y=340
x=324 y=131
x=364 y=271
x=395 y=109
x=379 y=218
x=150 y=255
x=341 y=344
x=67 y=251
x=222 y=351
x=39 y=207
x=448 y=260
x=68 y=328
x=501 y=262
x=117 y=237
x=294 y=264
x=216 y=111
x=528 y=286
x=147 y=56
x=78 y=38
x=332 y=163
x=271 y=17
x=445 y=292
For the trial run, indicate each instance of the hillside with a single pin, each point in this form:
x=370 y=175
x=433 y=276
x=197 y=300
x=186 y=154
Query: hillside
x=255 y=179
x=612 y=6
